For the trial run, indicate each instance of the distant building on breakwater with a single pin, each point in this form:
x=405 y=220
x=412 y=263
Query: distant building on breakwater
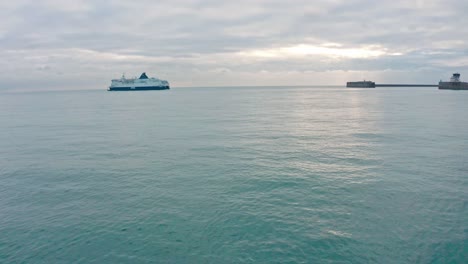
x=454 y=83
x=361 y=84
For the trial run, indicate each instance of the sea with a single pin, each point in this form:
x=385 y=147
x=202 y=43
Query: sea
x=234 y=175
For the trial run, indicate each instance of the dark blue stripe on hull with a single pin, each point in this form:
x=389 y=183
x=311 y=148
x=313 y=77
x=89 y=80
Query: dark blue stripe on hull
x=145 y=88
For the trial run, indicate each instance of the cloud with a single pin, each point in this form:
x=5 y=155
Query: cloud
x=197 y=43
x=326 y=50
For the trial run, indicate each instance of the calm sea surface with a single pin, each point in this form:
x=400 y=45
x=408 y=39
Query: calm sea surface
x=234 y=175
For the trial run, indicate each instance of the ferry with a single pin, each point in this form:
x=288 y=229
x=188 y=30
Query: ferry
x=141 y=84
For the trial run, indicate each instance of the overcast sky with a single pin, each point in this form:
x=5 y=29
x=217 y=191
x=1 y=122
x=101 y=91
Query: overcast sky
x=83 y=43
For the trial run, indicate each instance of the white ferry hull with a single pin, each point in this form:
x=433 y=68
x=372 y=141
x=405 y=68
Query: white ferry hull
x=141 y=88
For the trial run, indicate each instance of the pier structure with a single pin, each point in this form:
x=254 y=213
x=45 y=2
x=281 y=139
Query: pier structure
x=406 y=85
x=361 y=84
x=453 y=84
x=369 y=84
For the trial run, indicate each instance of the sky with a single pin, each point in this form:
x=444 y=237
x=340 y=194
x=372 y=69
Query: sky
x=84 y=44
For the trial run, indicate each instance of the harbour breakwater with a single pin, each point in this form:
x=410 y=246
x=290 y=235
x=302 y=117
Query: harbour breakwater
x=406 y=85
x=370 y=84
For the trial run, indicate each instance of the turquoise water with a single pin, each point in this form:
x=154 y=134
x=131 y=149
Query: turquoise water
x=234 y=175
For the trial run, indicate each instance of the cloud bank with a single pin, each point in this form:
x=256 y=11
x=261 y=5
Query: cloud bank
x=78 y=44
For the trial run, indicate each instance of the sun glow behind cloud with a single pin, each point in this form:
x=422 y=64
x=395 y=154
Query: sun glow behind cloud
x=332 y=50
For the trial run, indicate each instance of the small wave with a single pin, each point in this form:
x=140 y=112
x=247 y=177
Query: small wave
x=338 y=233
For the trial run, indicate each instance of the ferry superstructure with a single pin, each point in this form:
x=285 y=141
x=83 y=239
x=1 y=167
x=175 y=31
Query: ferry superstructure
x=141 y=84
x=454 y=83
